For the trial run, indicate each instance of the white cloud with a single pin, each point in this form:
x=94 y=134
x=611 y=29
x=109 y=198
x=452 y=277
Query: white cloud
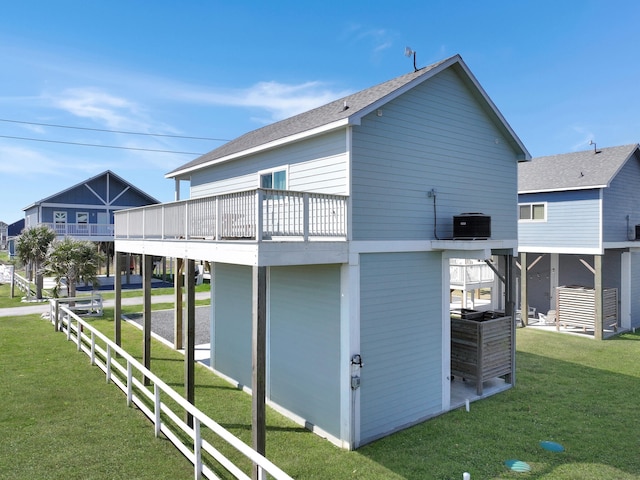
x=97 y=105
x=13 y=160
x=377 y=39
x=281 y=100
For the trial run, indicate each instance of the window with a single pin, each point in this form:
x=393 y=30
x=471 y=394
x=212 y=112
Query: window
x=82 y=217
x=59 y=217
x=276 y=180
x=536 y=212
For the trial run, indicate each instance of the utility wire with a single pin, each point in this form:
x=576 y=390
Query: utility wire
x=114 y=131
x=96 y=145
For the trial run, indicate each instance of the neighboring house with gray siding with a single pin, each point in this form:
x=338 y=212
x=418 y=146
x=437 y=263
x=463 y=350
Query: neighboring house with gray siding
x=85 y=211
x=577 y=227
x=350 y=210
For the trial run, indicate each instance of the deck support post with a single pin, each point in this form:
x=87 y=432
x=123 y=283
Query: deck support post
x=177 y=304
x=189 y=351
x=597 y=283
x=509 y=308
x=147 y=271
x=524 y=301
x=117 y=307
x=258 y=347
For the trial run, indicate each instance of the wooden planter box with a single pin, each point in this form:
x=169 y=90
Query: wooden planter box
x=576 y=307
x=482 y=349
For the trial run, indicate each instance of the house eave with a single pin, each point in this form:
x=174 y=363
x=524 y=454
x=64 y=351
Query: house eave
x=561 y=189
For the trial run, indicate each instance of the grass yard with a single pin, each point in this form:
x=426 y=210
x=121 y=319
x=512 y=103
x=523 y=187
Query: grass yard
x=58 y=418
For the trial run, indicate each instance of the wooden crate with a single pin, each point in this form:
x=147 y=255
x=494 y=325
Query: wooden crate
x=576 y=307
x=482 y=350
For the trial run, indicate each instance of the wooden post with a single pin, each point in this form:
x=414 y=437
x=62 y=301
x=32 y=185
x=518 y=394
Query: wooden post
x=258 y=348
x=117 y=310
x=598 y=324
x=510 y=310
x=128 y=268
x=189 y=351
x=524 y=301
x=147 y=269
x=177 y=304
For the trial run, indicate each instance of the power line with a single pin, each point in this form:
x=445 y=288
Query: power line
x=114 y=131
x=96 y=145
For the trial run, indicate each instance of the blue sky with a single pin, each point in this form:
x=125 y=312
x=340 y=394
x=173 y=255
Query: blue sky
x=562 y=72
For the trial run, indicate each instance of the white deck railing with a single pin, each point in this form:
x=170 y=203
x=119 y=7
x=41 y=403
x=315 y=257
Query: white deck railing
x=258 y=215
x=119 y=367
x=464 y=274
x=81 y=229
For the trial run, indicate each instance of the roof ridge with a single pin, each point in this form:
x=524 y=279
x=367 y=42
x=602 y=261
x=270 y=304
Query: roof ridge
x=339 y=109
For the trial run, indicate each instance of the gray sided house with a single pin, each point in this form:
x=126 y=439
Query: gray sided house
x=13 y=231
x=577 y=235
x=85 y=211
x=336 y=227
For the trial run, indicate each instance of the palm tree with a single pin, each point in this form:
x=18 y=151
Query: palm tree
x=31 y=247
x=74 y=261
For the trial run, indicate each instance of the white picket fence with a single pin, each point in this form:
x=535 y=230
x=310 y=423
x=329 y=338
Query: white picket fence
x=119 y=368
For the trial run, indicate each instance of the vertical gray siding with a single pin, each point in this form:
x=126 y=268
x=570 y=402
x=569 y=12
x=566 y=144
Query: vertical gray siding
x=401 y=340
x=435 y=136
x=538 y=283
x=232 y=307
x=317 y=164
x=573 y=272
x=304 y=343
x=573 y=220
x=621 y=199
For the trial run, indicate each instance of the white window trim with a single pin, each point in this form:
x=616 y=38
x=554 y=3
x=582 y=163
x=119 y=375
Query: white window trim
x=284 y=168
x=62 y=214
x=533 y=220
x=78 y=219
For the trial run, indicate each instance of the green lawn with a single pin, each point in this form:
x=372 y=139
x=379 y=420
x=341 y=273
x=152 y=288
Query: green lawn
x=58 y=418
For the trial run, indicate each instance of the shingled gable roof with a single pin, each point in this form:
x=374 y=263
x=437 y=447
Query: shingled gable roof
x=574 y=171
x=106 y=172
x=334 y=115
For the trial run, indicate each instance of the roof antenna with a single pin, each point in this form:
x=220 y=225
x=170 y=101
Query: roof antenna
x=595 y=150
x=407 y=53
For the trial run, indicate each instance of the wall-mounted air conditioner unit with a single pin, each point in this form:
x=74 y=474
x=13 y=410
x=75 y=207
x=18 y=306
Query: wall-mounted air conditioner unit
x=471 y=226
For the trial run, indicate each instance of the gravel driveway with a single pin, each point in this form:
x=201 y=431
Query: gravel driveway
x=162 y=324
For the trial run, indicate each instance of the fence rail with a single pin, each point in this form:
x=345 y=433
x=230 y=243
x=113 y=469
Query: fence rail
x=260 y=214
x=119 y=368
x=24 y=285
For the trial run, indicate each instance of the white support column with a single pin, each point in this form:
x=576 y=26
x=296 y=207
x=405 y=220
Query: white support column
x=350 y=346
x=446 y=331
x=625 y=291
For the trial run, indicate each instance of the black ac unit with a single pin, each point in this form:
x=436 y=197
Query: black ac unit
x=471 y=226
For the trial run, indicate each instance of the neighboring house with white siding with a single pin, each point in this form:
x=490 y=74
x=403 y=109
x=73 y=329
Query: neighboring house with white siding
x=579 y=226
x=344 y=217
